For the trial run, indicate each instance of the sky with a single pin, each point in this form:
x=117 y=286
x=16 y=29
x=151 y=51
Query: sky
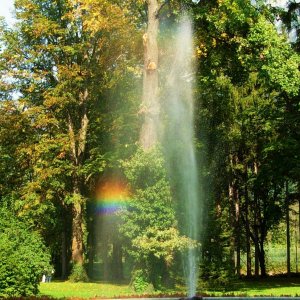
x=277 y=2
x=6 y=6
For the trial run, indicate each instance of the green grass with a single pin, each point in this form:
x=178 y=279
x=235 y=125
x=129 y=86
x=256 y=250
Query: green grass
x=266 y=287
x=263 y=287
x=84 y=290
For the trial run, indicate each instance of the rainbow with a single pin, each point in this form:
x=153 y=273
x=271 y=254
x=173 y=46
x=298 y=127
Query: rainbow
x=112 y=196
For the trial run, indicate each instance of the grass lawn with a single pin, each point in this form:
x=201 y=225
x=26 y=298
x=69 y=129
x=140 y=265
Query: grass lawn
x=266 y=287
x=83 y=290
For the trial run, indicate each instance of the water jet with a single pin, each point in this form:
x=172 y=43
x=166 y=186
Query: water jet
x=178 y=142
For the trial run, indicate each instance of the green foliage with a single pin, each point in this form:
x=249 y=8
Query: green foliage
x=24 y=258
x=150 y=224
x=78 y=274
x=140 y=282
x=217 y=275
x=272 y=55
x=248 y=87
x=162 y=243
x=58 y=135
x=74 y=67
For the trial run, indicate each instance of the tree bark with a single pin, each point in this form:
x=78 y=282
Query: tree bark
x=298 y=236
x=288 y=237
x=248 y=241
x=238 y=233
x=262 y=260
x=256 y=257
x=78 y=142
x=150 y=103
x=77 y=234
x=117 y=267
x=63 y=254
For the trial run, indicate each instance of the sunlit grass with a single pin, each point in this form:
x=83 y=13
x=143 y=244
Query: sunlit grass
x=84 y=290
x=266 y=287
x=262 y=287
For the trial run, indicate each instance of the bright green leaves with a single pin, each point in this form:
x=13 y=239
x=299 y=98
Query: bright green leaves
x=269 y=53
x=75 y=198
x=162 y=243
x=145 y=169
x=242 y=38
x=150 y=223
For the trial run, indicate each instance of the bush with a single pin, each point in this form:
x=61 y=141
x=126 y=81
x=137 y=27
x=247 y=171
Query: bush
x=150 y=224
x=78 y=274
x=24 y=258
x=140 y=281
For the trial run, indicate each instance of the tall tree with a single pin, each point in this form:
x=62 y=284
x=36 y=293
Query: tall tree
x=150 y=102
x=62 y=57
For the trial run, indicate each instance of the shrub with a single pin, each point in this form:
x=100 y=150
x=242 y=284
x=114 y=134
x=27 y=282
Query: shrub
x=78 y=274
x=140 y=281
x=150 y=224
x=24 y=258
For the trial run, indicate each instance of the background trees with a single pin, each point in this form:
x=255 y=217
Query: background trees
x=70 y=113
x=244 y=86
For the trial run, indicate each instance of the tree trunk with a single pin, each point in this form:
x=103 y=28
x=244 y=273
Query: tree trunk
x=255 y=221
x=232 y=221
x=63 y=254
x=256 y=248
x=117 y=267
x=91 y=253
x=256 y=270
x=288 y=237
x=77 y=234
x=78 y=142
x=106 y=262
x=262 y=260
x=247 y=225
x=150 y=103
x=238 y=233
x=298 y=237
x=248 y=242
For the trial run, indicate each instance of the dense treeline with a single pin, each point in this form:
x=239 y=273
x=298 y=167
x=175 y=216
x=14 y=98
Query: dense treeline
x=71 y=112
x=249 y=114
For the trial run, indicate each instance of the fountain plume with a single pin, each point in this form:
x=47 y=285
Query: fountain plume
x=178 y=142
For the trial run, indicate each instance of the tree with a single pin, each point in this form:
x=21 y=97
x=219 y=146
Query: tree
x=239 y=118
x=150 y=103
x=62 y=57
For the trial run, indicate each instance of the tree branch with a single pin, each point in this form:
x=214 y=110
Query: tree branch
x=161 y=7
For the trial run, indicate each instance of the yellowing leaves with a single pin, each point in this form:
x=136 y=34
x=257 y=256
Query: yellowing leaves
x=163 y=243
x=201 y=50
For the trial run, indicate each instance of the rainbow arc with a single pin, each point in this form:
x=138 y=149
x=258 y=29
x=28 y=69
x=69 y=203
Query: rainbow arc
x=112 y=197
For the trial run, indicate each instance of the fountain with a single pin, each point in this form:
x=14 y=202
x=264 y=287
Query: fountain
x=179 y=148
x=178 y=142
